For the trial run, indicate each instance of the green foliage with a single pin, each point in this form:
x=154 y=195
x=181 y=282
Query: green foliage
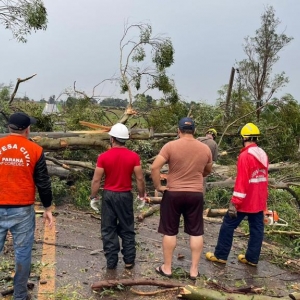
x=59 y=189
x=82 y=109
x=115 y=102
x=164 y=117
x=136 y=72
x=144 y=148
x=218 y=197
x=23 y=16
x=164 y=55
x=69 y=292
x=80 y=192
x=262 y=54
x=280 y=129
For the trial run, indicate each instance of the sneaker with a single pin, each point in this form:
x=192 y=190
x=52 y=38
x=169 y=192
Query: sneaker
x=210 y=256
x=243 y=260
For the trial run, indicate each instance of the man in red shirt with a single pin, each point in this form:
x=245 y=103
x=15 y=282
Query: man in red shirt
x=117 y=217
x=249 y=199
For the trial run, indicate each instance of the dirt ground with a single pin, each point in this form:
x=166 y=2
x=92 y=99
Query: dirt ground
x=75 y=260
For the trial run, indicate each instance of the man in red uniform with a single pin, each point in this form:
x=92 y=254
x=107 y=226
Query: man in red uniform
x=249 y=199
x=117 y=217
x=189 y=161
x=22 y=169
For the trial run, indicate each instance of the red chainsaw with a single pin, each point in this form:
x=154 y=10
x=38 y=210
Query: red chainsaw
x=271 y=217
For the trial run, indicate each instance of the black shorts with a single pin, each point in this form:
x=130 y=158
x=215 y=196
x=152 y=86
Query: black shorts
x=175 y=204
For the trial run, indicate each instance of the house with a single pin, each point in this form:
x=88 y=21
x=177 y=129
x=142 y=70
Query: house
x=50 y=109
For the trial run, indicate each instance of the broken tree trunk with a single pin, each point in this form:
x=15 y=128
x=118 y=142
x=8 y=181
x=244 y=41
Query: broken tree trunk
x=130 y=282
x=149 y=212
x=91 y=139
x=216 y=212
x=198 y=293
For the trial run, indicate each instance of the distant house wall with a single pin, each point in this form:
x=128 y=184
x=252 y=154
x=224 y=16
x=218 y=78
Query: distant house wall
x=50 y=109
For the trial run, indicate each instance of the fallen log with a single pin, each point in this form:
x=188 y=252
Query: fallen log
x=131 y=282
x=153 y=200
x=149 y=212
x=295 y=296
x=216 y=212
x=198 y=293
x=140 y=293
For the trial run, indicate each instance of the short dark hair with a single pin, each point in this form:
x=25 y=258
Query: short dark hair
x=16 y=131
x=118 y=141
x=187 y=131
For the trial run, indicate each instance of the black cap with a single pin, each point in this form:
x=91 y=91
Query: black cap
x=20 y=121
x=186 y=123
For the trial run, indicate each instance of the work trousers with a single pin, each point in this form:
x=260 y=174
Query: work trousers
x=256 y=227
x=20 y=221
x=117 y=220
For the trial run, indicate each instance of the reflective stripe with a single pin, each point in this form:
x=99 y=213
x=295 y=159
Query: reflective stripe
x=259 y=179
x=240 y=195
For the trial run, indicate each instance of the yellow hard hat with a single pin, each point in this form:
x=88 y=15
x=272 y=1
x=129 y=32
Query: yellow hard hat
x=250 y=130
x=212 y=131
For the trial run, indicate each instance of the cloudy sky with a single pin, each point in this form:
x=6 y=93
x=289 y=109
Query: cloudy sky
x=81 y=44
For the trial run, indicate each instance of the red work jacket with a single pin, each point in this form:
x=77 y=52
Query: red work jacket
x=251 y=186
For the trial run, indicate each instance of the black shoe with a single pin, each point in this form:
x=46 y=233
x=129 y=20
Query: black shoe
x=113 y=267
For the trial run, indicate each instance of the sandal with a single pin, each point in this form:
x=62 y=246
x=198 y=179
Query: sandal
x=162 y=273
x=194 y=277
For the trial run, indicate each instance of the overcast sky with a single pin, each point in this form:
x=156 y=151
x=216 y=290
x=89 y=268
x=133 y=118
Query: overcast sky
x=81 y=44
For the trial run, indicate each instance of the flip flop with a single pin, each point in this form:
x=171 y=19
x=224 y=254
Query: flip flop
x=194 y=277
x=162 y=273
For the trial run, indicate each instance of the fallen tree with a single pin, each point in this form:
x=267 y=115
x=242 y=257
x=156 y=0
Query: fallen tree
x=191 y=292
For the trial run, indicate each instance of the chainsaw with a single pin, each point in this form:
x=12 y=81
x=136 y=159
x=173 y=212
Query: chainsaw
x=271 y=217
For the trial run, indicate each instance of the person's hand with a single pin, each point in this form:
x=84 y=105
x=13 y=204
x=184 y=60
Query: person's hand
x=94 y=203
x=142 y=200
x=47 y=215
x=162 y=188
x=232 y=212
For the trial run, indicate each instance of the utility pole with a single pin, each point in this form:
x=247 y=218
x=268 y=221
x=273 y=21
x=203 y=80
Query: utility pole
x=226 y=115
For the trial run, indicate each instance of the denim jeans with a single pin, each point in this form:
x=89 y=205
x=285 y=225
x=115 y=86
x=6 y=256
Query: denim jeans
x=256 y=227
x=20 y=221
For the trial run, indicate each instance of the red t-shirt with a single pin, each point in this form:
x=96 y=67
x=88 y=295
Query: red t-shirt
x=118 y=165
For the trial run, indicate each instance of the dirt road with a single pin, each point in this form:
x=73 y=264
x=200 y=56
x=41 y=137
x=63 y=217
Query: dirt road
x=69 y=258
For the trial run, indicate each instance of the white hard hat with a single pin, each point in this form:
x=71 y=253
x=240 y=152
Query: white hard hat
x=119 y=131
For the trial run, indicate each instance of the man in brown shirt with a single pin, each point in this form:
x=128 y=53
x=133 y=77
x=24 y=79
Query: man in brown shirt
x=189 y=161
x=209 y=140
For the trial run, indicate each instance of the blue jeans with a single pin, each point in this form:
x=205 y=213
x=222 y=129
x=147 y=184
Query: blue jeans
x=256 y=227
x=20 y=221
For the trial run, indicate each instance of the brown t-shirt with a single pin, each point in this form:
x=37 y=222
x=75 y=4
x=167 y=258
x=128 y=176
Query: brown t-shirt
x=211 y=144
x=187 y=159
